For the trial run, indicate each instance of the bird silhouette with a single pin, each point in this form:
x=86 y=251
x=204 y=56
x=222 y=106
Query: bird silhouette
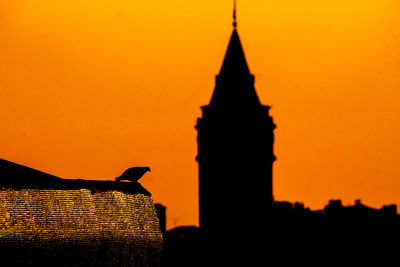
x=133 y=174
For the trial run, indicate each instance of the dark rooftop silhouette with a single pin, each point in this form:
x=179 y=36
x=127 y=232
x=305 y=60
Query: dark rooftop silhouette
x=49 y=221
x=13 y=175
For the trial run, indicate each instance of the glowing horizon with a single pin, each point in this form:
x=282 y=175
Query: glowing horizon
x=89 y=89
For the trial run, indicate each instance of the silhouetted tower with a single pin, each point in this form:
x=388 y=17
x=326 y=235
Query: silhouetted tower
x=235 y=148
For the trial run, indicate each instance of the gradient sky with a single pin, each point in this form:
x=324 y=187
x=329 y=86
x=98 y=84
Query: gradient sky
x=90 y=88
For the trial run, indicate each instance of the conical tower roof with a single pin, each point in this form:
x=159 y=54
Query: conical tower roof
x=234 y=83
x=234 y=61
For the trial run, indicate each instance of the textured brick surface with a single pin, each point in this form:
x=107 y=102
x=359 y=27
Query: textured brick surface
x=77 y=228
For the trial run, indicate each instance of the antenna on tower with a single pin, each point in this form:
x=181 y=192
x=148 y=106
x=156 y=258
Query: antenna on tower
x=234 y=14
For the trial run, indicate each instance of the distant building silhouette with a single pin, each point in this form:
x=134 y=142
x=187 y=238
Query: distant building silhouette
x=240 y=223
x=162 y=218
x=235 y=148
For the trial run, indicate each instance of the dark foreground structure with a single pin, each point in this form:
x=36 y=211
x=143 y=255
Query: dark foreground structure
x=49 y=221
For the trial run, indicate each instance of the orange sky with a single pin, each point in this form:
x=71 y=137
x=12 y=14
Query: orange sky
x=90 y=88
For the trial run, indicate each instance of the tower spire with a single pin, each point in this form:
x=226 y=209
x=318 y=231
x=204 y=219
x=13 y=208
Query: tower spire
x=234 y=14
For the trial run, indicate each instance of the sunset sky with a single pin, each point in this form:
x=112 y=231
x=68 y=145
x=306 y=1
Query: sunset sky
x=89 y=88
